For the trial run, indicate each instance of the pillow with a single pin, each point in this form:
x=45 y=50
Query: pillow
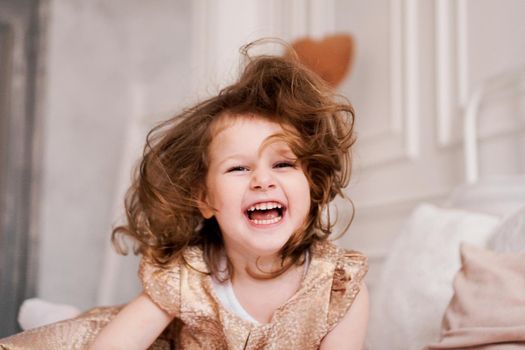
x=415 y=285
x=509 y=237
x=488 y=307
x=36 y=312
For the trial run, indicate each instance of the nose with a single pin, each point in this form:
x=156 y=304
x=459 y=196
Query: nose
x=262 y=180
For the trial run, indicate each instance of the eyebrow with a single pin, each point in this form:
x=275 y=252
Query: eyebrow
x=280 y=147
x=231 y=157
x=283 y=151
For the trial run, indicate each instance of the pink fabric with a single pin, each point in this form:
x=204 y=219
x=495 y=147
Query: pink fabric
x=488 y=307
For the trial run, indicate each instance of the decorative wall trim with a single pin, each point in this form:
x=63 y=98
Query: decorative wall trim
x=297 y=13
x=451 y=66
x=399 y=139
x=462 y=51
x=453 y=90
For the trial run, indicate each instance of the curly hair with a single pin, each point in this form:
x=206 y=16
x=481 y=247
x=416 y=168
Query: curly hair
x=162 y=204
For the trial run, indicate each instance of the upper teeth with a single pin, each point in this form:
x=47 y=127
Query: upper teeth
x=265 y=206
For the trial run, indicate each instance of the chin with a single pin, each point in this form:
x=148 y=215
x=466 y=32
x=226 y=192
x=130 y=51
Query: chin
x=270 y=248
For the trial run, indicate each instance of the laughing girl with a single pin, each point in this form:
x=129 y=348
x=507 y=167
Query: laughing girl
x=229 y=210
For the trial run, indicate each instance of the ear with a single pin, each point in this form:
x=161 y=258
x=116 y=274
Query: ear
x=206 y=210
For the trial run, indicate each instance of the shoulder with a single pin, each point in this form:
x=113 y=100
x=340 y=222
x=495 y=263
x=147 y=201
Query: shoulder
x=349 y=268
x=162 y=283
x=347 y=265
x=190 y=257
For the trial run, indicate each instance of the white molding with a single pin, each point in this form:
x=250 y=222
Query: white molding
x=297 y=13
x=399 y=140
x=217 y=38
x=412 y=79
x=451 y=67
x=314 y=18
x=462 y=51
x=453 y=90
x=444 y=64
x=396 y=65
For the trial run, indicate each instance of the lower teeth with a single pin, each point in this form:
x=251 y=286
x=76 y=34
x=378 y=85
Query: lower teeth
x=266 y=222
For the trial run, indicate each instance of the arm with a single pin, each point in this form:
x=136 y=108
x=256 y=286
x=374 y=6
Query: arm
x=350 y=332
x=136 y=326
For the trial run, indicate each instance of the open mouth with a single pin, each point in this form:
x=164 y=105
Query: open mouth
x=265 y=213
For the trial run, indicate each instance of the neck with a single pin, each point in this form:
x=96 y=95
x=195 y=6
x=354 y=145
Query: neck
x=260 y=297
x=261 y=268
x=250 y=267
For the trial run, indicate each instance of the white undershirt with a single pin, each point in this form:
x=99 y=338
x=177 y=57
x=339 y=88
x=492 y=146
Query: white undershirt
x=226 y=295
x=227 y=298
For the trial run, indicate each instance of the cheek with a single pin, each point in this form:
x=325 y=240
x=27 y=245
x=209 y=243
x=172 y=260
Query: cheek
x=306 y=195
x=306 y=188
x=302 y=191
x=223 y=194
x=305 y=185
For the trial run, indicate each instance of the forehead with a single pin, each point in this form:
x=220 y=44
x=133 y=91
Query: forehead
x=243 y=133
x=227 y=120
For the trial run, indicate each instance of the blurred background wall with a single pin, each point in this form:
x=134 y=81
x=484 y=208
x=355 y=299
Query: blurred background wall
x=112 y=69
x=111 y=66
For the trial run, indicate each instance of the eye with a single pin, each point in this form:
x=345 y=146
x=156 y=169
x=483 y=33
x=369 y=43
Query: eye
x=236 y=169
x=284 y=164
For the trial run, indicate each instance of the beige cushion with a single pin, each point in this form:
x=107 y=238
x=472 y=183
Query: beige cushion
x=488 y=307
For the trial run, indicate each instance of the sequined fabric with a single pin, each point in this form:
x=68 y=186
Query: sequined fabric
x=201 y=322
x=76 y=333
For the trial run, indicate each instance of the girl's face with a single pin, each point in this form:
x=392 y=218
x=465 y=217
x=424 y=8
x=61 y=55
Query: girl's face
x=259 y=196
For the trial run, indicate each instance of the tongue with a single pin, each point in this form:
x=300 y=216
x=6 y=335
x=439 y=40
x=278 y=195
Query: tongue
x=264 y=214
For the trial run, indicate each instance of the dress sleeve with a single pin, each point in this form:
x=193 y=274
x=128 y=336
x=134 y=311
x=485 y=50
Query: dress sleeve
x=348 y=274
x=162 y=285
x=76 y=333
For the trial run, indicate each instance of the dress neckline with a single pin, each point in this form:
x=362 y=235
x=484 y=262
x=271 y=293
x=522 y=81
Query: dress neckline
x=314 y=265
x=226 y=297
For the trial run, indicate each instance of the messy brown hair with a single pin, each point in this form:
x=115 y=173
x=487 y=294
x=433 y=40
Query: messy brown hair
x=162 y=205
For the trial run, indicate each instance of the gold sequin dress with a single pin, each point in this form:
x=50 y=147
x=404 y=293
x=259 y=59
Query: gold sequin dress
x=202 y=322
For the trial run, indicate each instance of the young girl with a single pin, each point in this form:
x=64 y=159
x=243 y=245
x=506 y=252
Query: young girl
x=229 y=209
